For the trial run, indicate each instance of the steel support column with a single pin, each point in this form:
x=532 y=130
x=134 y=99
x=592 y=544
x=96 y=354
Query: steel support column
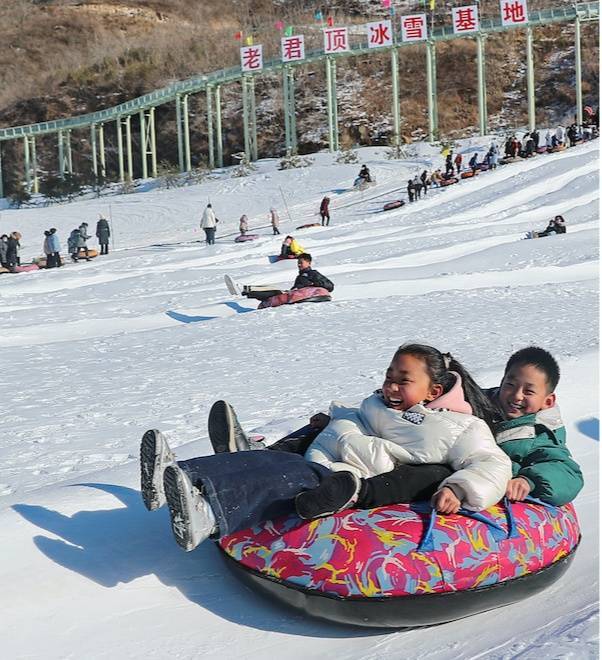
x=153 y=141
x=128 y=146
x=530 y=80
x=578 y=73
x=186 y=129
x=253 y=116
x=210 y=136
x=395 y=96
x=94 y=150
x=143 y=144
x=331 y=83
x=431 y=90
x=27 y=162
x=245 y=116
x=293 y=116
x=1 y=177
x=69 y=154
x=34 y=165
x=218 y=126
x=62 y=168
x=120 y=150
x=179 y=131
x=286 y=107
x=481 y=84
x=101 y=151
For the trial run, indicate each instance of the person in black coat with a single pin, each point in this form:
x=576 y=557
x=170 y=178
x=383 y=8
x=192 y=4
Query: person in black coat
x=12 y=250
x=410 y=190
x=103 y=234
x=308 y=276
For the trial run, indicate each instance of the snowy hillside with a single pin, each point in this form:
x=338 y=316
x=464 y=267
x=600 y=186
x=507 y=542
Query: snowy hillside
x=95 y=353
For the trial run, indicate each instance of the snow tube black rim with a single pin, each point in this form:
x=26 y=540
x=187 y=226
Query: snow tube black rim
x=312 y=299
x=403 y=611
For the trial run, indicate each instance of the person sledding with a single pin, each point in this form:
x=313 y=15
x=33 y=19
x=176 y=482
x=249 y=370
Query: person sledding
x=364 y=174
x=473 y=163
x=290 y=248
x=557 y=225
x=307 y=277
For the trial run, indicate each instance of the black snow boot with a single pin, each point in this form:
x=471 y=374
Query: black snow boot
x=336 y=492
x=226 y=433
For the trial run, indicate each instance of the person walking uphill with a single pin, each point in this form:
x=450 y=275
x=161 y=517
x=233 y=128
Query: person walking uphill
x=209 y=224
x=54 y=259
x=275 y=221
x=82 y=241
x=325 y=211
x=12 y=250
x=103 y=234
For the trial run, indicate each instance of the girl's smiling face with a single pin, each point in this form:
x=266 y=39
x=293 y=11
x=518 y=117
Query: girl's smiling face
x=407 y=383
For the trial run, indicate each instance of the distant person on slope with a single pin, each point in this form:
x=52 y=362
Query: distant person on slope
x=103 y=233
x=243 y=224
x=290 y=248
x=365 y=174
x=82 y=241
x=275 y=221
x=325 y=211
x=55 y=246
x=3 y=249
x=209 y=224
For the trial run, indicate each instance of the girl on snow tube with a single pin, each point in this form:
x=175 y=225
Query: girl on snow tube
x=429 y=410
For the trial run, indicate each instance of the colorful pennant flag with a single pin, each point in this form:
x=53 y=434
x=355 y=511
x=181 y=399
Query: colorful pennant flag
x=432 y=5
x=288 y=32
x=249 y=41
x=386 y=3
x=318 y=15
x=279 y=25
x=330 y=21
x=238 y=36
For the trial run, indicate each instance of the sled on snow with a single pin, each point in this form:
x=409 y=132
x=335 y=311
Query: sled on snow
x=448 y=182
x=273 y=258
x=309 y=225
x=305 y=295
x=405 y=565
x=396 y=204
x=243 y=238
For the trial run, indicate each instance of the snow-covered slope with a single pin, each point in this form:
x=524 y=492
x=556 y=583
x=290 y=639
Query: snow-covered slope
x=95 y=353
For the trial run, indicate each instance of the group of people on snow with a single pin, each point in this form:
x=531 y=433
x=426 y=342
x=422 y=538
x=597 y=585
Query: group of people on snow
x=209 y=223
x=429 y=432
x=10 y=248
x=77 y=245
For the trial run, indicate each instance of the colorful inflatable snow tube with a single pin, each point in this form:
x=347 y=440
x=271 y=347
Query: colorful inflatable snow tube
x=404 y=565
x=25 y=268
x=243 y=238
x=448 y=182
x=306 y=294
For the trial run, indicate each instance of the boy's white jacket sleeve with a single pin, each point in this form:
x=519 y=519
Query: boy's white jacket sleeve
x=482 y=469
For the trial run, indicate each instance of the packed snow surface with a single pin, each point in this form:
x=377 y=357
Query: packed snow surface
x=95 y=353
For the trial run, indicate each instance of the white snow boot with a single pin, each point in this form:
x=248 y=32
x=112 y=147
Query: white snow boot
x=192 y=519
x=155 y=456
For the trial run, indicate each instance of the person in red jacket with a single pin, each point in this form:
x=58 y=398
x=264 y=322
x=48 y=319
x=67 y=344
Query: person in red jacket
x=458 y=162
x=325 y=211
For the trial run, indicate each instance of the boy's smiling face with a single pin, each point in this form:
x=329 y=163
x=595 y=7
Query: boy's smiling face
x=524 y=390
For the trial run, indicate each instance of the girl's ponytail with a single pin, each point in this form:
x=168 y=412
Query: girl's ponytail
x=480 y=404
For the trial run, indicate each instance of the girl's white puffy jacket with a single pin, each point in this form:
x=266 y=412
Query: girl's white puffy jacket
x=371 y=440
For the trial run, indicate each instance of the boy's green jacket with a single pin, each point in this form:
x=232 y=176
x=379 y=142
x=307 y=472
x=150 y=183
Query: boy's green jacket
x=536 y=445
